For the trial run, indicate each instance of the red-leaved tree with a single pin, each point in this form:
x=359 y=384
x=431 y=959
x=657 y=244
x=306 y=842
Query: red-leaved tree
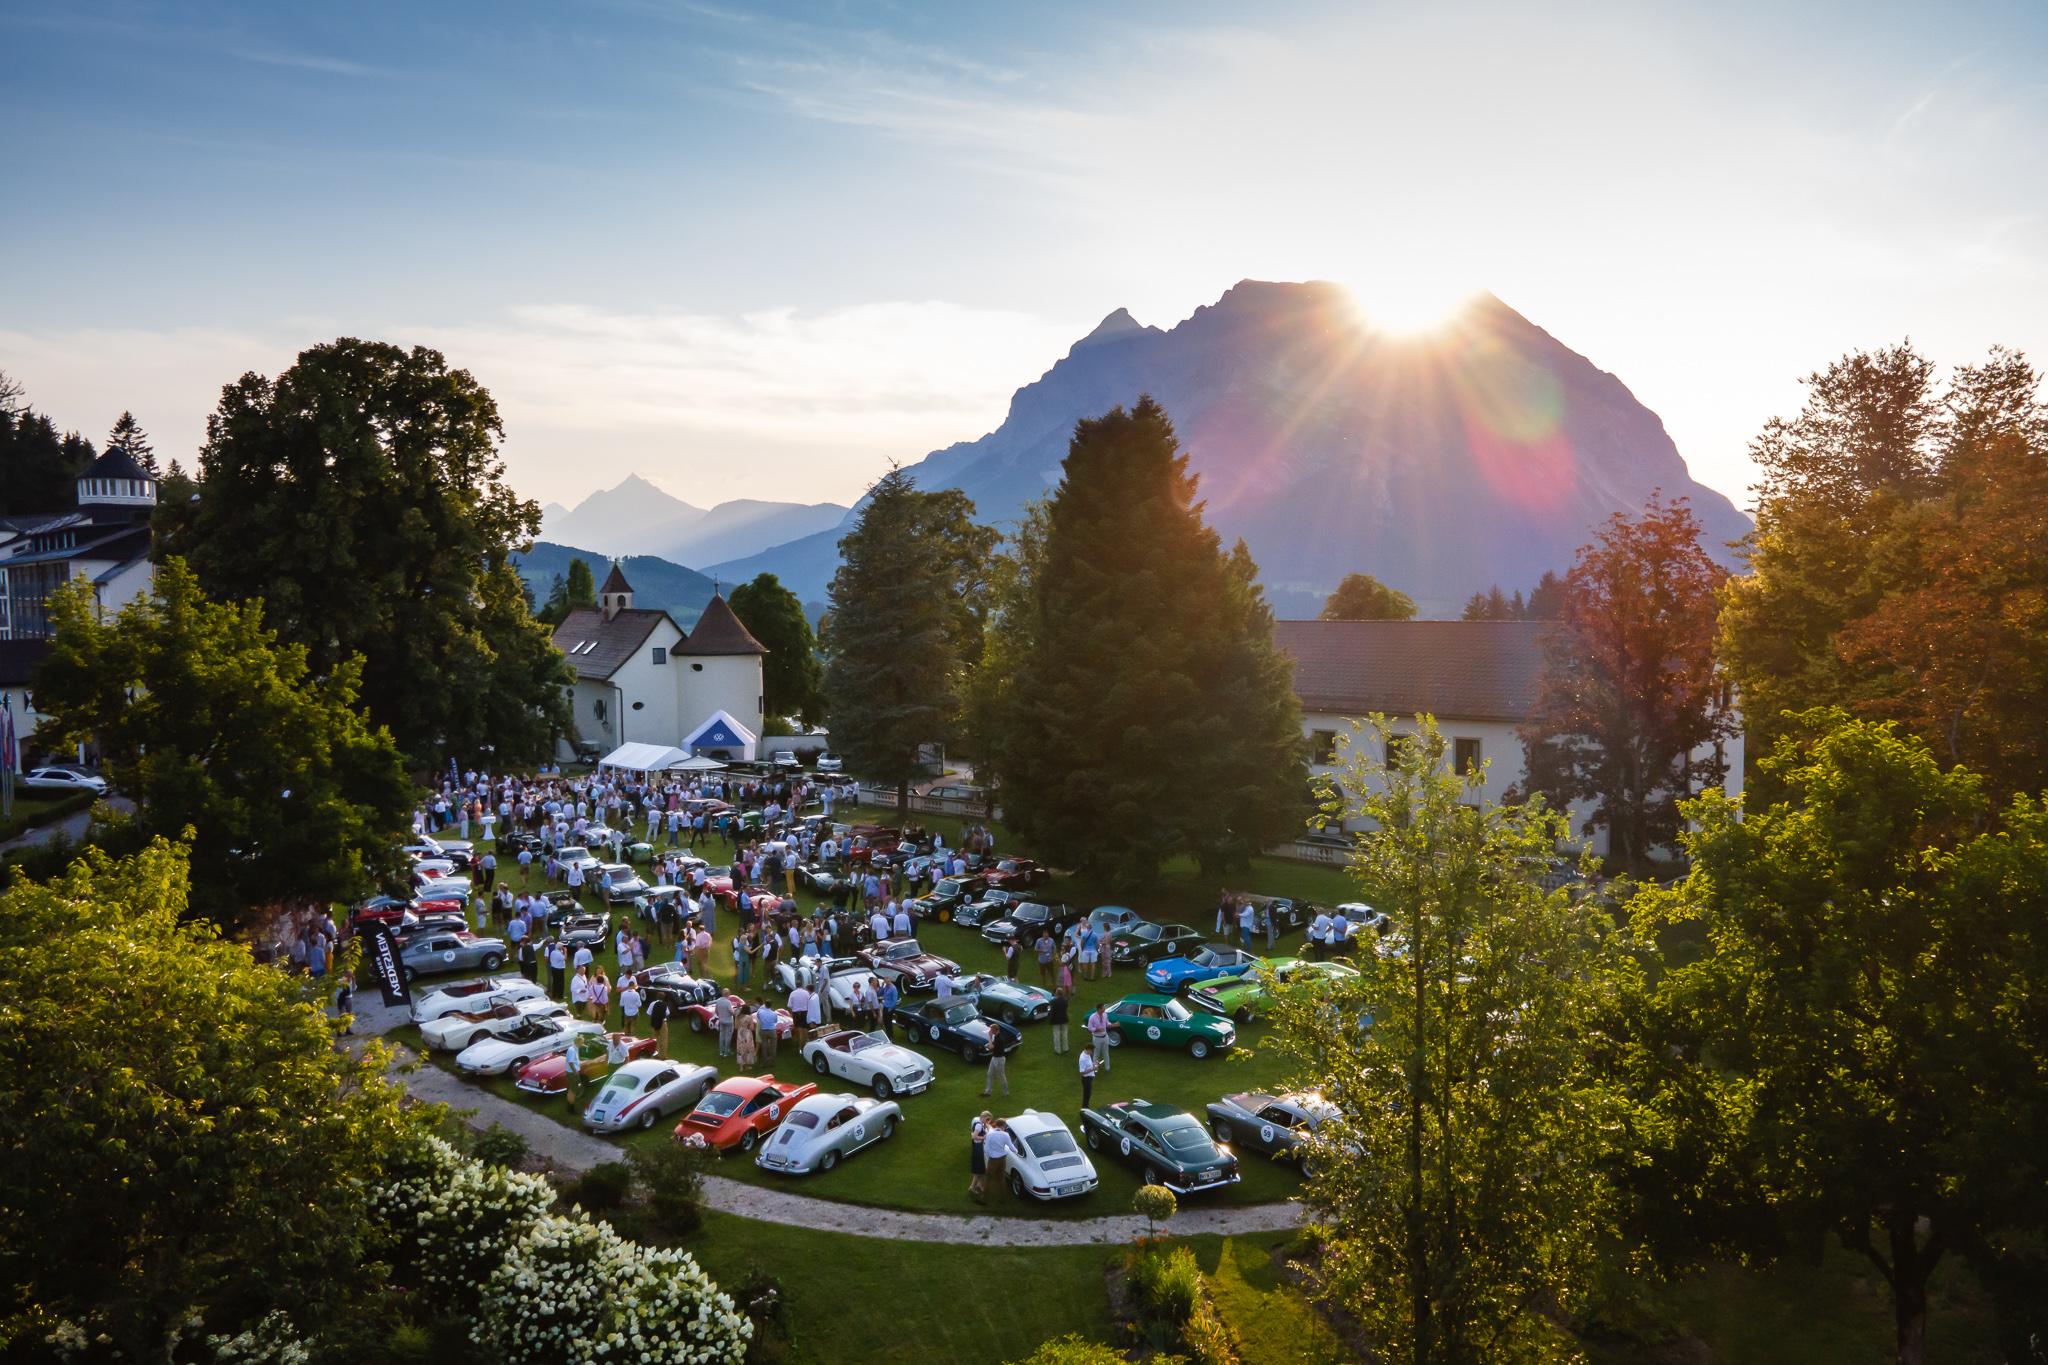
x=1631 y=711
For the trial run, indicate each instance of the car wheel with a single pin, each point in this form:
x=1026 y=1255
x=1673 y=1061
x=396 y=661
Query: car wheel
x=1310 y=1168
x=647 y=1119
x=1093 y=1137
x=1116 y=1038
x=1016 y=1184
x=696 y=1023
x=1242 y=1017
x=515 y=1066
x=829 y=1160
x=479 y=1036
x=1152 y=1176
x=1010 y=1016
x=1220 y=1130
x=882 y=1088
x=969 y=1053
x=818 y=1064
x=946 y=916
x=490 y=962
x=1198 y=1049
x=747 y=1140
x=409 y=973
x=888 y=1130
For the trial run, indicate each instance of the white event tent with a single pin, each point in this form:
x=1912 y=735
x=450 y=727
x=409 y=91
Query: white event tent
x=643 y=758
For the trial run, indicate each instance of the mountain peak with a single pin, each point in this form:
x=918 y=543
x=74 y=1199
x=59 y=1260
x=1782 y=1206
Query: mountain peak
x=1116 y=326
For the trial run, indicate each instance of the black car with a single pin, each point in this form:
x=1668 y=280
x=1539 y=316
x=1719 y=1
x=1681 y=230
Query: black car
x=818 y=878
x=946 y=901
x=1027 y=919
x=670 y=981
x=986 y=908
x=433 y=922
x=1150 y=942
x=957 y=1025
x=1167 y=1143
x=524 y=841
x=577 y=930
x=1279 y=1126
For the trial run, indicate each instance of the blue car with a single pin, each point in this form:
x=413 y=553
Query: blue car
x=1214 y=960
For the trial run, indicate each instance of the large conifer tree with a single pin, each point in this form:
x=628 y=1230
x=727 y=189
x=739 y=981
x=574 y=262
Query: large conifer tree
x=1151 y=715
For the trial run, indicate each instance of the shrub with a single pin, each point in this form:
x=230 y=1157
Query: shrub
x=602 y=1188
x=1175 y=1287
x=452 y=1220
x=761 y=1299
x=1072 y=1350
x=672 y=1173
x=498 y=1146
x=1156 y=1204
x=1209 y=1339
x=573 y=1292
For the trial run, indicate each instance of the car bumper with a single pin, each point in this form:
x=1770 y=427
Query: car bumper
x=1064 y=1189
x=1181 y=1184
x=781 y=1165
x=540 y=1087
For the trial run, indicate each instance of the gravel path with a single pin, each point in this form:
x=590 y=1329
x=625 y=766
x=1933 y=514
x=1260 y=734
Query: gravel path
x=571 y=1149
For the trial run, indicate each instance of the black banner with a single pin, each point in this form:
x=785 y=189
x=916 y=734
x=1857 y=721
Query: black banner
x=383 y=958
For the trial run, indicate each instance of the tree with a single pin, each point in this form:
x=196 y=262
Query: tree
x=792 y=677
x=215 y=727
x=39 y=467
x=1465 y=1174
x=129 y=438
x=1630 y=709
x=360 y=496
x=1361 y=597
x=988 y=711
x=577 y=592
x=1859 y=1049
x=892 y=669
x=176 y=1114
x=1152 y=715
x=1546 y=602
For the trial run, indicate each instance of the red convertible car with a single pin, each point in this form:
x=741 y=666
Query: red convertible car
x=547 y=1075
x=1016 y=874
x=739 y=1112
x=702 y=1019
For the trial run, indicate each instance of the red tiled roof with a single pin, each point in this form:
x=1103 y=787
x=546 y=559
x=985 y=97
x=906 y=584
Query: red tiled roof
x=720 y=632
x=1471 y=670
x=611 y=642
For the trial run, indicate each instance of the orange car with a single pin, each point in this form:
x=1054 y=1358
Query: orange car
x=739 y=1111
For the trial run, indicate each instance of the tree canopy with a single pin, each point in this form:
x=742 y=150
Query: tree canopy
x=129 y=438
x=39 y=466
x=792 y=677
x=1361 y=597
x=1151 y=715
x=360 y=496
x=1545 y=602
x=214 y=726
x=577 y=590
x=1630 y=711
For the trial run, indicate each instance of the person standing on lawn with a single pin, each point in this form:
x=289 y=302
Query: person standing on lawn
x=998 y=1070
x=572 y=1072
x=977 y=1162
x=558 y=969
x=629 y=1005
x=657 y=1020
x=1045 y=948
x=771 y=1036
x=722 y=1012
x=1087 y=1077
x=1059 y=1020
x=747 y=1037
x=1098 y=1036
x=889 y=998
x=995 y=1155
x=579 y=993
x=701 y=955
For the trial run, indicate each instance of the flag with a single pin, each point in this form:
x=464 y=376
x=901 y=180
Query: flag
x=384 y=964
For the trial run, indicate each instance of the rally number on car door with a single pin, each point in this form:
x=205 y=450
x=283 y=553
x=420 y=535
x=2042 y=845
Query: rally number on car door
x=1153 y=1033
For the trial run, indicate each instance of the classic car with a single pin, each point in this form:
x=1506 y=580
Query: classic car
x=659 y=905
x=516 y=842
x=466 y=995
x=1047 y=1163
x=1207 y=963
x=986 y=908
x=600 y=837
x=904 y=962
x=641 y=1093
x=1013 y=1002
x=817 y=878
x=577 y=856
x=956 y=1025
x=388 y=910
x=845 y=974
x=626 y=883
x=672 y=982
x=820 y=1129
x=450 y=952
x=548 y=1075
x=460 y=851
x=1017 y=874
x=536 y=1036
x=1107 y=919
x=433 y=869
x=64 y=780
x=1165 y=1142
x=1280 y=1126
x=946 y=899
x=739 y=1110
x=426 y=923
x=433 y=888
x=703 y=1018
x=1164 y=1021
x=491 y=1018
x=578 y=930
x=1145 y=942
x=831 y=763
x=1027 y=920
x=1239 y=997
x=639 y=851
x=869 y=1059
x=786 y=759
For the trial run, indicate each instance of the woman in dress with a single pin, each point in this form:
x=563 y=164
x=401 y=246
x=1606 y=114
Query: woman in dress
x=746 y=1037
x=977 y=1165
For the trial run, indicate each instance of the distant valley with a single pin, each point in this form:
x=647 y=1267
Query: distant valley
x=637 y=518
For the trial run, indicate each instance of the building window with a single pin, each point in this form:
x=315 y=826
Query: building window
x=1322 y=746
x=660 y=655
x=1465 y=754
x=1400 y=750
x=696 y=668
x=638 y=704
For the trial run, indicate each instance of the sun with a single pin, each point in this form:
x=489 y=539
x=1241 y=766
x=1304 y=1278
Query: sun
x=1409 y=302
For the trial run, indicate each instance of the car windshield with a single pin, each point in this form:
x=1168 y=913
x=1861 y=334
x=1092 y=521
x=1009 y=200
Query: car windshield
x=570 y=853
x=1030 y=913
x=1187 y=1138
x=905 y=950
x=1146 y=931
x=1050 y=1143
x=1175 y=1010
x=948 y=887
x=803 y=1120
x=959 y=1014
x=720 y=1103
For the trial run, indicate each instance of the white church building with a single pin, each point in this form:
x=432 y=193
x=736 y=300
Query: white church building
x=641 y=679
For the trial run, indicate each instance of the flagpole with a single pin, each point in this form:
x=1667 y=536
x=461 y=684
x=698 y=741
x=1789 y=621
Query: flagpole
x=7 y=761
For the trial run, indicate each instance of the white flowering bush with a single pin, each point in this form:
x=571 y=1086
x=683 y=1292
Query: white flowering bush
x=453 y=1220
x=270 y=1342
x=573 y=1292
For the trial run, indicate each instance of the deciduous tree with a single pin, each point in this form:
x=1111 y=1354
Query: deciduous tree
x=1361 y=597
x=1631 y=710
x=1153 y=716
x=792 y=677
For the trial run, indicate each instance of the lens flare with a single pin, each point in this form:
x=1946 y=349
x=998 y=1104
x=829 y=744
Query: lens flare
x=1407 y=303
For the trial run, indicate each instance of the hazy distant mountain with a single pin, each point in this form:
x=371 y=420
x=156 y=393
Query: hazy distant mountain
x=744 y=526
x=1483 y=453
x=628 y=519
x=656 y=582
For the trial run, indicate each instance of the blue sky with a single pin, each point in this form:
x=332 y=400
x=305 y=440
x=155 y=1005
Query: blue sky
x=761 y=250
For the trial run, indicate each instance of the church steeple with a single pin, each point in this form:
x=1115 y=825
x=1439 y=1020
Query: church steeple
x=616 y=595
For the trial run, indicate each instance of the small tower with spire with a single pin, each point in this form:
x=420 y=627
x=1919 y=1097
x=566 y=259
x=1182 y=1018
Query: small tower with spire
x=616 y=595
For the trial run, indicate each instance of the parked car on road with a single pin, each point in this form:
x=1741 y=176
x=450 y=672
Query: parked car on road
x=63 y=781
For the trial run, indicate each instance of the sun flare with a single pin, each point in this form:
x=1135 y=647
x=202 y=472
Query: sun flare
x=1402 y=303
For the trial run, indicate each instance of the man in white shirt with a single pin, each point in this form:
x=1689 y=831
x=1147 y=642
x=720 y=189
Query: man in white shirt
x=995 y=1151
x=942 y=984
x=1319 y=934
x=902 y=923
x=800 y=1013
x=879 y=923
x=629 y=1005
x=1087 y=1077
x=584 y=957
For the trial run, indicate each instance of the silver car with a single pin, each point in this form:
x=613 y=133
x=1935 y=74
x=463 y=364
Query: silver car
x=64 y=780
x=626 y=883
x=820 y=1129
x=451 y=952
x=576 y=855
x=640 y=1094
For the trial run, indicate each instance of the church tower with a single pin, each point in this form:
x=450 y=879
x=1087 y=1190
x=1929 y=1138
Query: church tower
x=616 y=595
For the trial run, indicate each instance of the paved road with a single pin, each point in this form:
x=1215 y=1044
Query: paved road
x=73 y=825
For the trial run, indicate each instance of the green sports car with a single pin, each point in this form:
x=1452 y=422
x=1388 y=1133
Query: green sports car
x=1164 y=1021
x=1241 y=997
x=1013 y=1002
x=1167 y=1143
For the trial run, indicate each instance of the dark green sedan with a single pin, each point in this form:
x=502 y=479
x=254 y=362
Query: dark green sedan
x=1150 y=942
x=1170 y=1146
x=1163 y=1021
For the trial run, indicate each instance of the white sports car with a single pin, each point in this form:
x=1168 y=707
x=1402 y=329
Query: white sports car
x=847 y=972
x=492 y=1018
x=1047 y=1163
x=640 y=1093
x=469 y=995
x=534 y=1036
x=869 y=1059
x=820 y=1129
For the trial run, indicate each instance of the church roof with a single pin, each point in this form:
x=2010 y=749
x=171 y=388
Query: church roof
x=1468 y=670
x=615 y=582
x=597 y=647
x=720 y=632
x=115 y=464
